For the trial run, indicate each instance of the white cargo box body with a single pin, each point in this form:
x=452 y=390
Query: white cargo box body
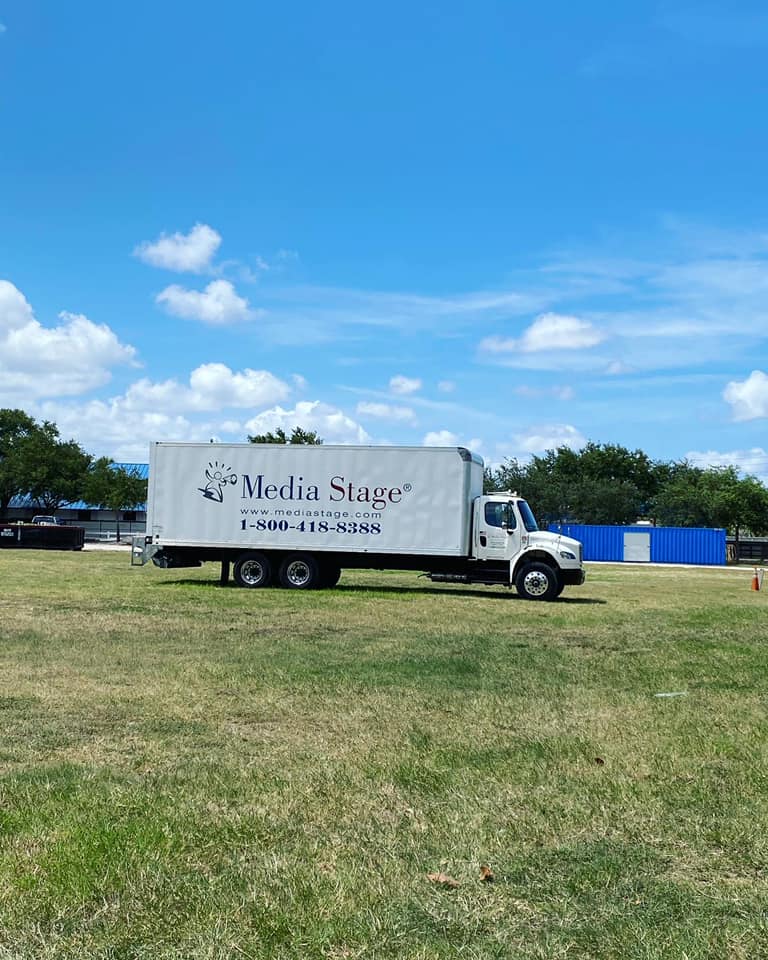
x=389 y=500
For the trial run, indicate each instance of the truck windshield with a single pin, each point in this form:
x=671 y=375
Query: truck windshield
x=529 y=521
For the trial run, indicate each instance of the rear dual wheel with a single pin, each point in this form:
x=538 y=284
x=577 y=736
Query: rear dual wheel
x=252 y=570
x=300 y=571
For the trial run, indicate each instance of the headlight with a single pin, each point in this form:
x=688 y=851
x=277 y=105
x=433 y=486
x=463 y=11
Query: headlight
x=567 y=555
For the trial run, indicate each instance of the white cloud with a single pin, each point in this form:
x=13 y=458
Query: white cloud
x=123 y=426
x=184 y=253
x=330 y=423
x=231 y=426
x=212 y=386
x=754 y=461
x=748 y=398
x=15 y=311
x=221 y=387
x=109 y=428
x=446 y=386
x=559 y=332
x=404 y=385
x=447 y=438
x=218 y=304
x=549 y=437
x=441 y=438
x=385 y=411
x=38 y=361
x=549 y=331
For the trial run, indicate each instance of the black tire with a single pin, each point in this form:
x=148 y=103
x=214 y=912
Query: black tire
x=330 y=574
x=252 y=570
x=537 y=581
x=300 y=571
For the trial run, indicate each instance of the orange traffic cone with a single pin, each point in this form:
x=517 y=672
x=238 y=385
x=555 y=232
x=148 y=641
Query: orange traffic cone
x=755 y=581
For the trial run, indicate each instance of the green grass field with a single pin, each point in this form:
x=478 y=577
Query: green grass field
x=188 y=771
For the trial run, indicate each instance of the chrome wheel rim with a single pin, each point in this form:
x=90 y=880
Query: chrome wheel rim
x=297 y=573
x=252 y=572
x=536 y=583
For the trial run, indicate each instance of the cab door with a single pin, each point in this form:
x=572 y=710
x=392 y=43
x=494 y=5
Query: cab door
x=497 y=529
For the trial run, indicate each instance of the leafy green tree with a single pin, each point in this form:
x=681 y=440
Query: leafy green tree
x=114 y=487
x=15 y=427
x=751 y=511
x=602 y=483
x=510 y=475
x=52 y=471
x=536 y=481
x=680 y=502
x=279 y=436
x=713 y=497
x=606 y=501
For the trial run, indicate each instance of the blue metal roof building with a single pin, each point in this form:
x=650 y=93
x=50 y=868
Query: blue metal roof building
x=142 y=471
x=99 y=524
x=27 y=503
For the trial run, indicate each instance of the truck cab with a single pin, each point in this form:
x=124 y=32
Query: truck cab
x=505 y=534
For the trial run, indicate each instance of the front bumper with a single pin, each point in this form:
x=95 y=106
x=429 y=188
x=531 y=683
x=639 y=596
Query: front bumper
x=573 y=578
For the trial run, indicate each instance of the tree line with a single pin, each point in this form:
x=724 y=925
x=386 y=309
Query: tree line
x=609 y=484
x=35 y=462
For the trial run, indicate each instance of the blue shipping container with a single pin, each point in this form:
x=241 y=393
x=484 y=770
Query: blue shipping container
x=696 y=545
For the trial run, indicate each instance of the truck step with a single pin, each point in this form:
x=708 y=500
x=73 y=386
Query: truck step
x=449 y=578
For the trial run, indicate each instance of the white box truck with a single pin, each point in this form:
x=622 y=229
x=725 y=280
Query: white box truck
x=296 y=515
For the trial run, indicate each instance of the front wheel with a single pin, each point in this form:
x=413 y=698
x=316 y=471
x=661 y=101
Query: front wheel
x=537 y=581
x=300 y=571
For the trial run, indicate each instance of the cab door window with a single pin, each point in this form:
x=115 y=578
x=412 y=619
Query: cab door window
x=500 y=515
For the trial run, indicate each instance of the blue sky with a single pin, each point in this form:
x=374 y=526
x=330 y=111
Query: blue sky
x=500 y=224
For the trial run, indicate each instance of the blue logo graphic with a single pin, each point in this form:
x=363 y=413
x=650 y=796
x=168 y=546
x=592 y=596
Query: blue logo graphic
x=218 y=476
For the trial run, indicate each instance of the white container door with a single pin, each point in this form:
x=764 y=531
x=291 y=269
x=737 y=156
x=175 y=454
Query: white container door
x=637 y=547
